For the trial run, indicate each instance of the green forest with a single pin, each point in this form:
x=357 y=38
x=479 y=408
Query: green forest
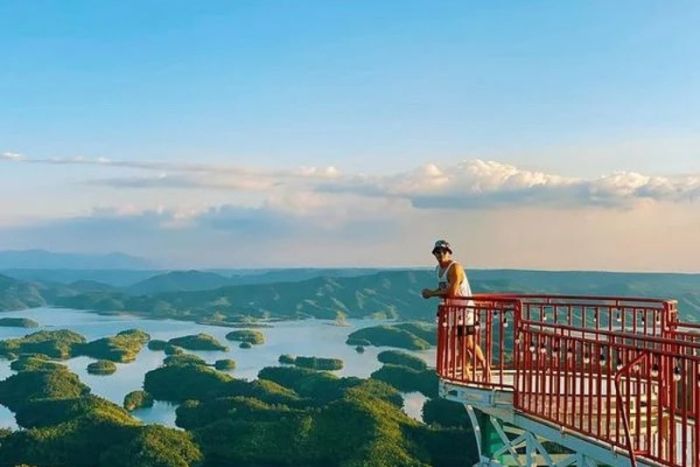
x=290 y=415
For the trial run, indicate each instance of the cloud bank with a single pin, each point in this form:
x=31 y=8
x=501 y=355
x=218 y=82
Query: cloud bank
x=495 y=214
x=471 y=184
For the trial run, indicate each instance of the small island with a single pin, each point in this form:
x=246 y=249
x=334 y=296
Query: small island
x=61 y=344
x=356 y=341
x=246 y=345
x=225 y=364
x=251 y=336
x=121 y=348
x=137 y=400
x=312 y=363
x=184 y=359
x=197 y=342
x=102 y=367
x=396 y=357
x=410 y=336
x=157 y=344
x=286 y=359
x=18 y=323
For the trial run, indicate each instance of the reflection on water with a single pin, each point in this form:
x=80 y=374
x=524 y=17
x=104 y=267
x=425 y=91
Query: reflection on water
x=309 y=338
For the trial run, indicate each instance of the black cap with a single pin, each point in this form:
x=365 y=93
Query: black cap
x=442 y=245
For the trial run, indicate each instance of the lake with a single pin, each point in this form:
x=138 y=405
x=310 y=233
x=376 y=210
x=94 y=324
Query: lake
x=318 y=338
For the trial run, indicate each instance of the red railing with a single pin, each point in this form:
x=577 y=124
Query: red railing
x=624 y=371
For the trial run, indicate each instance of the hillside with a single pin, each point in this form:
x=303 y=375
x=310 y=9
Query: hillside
x=18 y=295
x=383 y=294
x=111 y=277
x=184 y=281
x=387 y=294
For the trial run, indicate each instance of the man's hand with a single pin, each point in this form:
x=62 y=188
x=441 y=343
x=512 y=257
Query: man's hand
x=427 y=293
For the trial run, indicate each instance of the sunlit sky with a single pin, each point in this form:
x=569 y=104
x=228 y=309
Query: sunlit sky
x=548 y=135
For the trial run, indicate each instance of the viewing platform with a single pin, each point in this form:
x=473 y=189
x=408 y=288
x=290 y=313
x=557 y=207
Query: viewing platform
x=574 y=380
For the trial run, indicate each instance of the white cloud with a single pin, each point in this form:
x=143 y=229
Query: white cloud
x=472 y=184
x=11 y=156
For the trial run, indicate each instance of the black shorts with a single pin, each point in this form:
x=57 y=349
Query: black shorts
x=470 y=331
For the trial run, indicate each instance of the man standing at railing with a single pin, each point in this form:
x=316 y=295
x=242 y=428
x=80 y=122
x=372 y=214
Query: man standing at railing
x=453 y=284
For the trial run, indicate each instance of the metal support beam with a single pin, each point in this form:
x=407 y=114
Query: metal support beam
x=497 y=449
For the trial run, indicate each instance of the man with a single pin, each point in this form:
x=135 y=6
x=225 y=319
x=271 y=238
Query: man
x=453 y=284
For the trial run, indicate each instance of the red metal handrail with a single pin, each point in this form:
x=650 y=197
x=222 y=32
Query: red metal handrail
x=623 y=370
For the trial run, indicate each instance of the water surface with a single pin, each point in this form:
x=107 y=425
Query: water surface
x=318 y=338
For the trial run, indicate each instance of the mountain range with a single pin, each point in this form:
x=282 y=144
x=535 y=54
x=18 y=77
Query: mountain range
x=210 y=297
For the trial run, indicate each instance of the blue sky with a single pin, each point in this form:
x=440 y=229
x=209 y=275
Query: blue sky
x=593 y=93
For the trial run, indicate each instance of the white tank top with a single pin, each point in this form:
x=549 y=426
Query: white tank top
x=443 y=281
x=464 y=291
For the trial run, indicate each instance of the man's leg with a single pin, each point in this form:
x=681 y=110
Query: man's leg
x=476 y=351
x=466 y=358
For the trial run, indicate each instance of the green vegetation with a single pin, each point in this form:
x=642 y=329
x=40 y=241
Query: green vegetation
x=360 y=349
x=18 y=295
x=173 y=350
x=250 y=336
x=425 y=331
x=102 y=367
x=289 y=416
x=137 y=400
x=184 y=359
x=63 y=344
x=178 y=281
x=197 y=342
x=396 y=357
x=65 y=425
x=25 y=386
x=118 y=438
x=356 y=341
x=59 y=344
x=286 y=359
x=398 y=335
x=225 y=364
x=319 y=363
x=18 y=323
x=156 y=344
x=281 y=294
x=445 y=413
x=120 y=348
x=154 y=446
x=246 y=345
x=407 y=379
x=313 y=363
x=325 y=421
x=177 y=383
x=34 y=363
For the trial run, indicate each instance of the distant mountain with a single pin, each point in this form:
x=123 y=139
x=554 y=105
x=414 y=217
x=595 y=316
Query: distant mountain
x=113 y=277
x=41 y=259
x=179 y=281
x=388 y=293
x=192 y=281
x=195 y=295
x=18 y=295
x=294 y=274
x=85 y=286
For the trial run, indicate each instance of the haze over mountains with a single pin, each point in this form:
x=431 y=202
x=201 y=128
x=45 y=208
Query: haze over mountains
x=296 y=293
x=42 y=259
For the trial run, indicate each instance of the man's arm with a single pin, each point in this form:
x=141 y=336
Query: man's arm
x=428 y=293
x=455 y=276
